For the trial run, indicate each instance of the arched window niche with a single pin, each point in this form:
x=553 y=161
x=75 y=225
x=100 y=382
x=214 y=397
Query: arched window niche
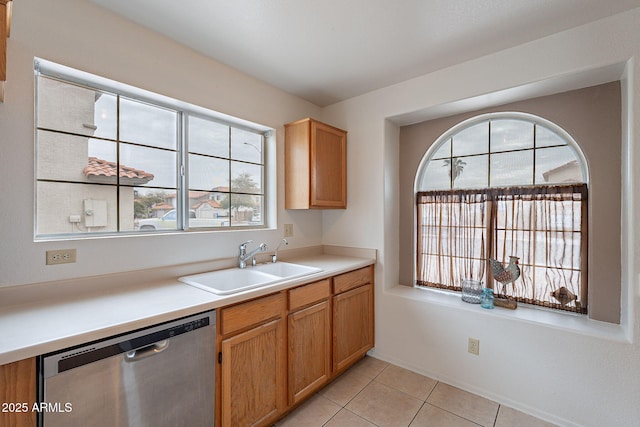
x=503 y=185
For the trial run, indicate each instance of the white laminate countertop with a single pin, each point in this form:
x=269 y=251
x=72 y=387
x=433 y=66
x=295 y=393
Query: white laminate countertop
x=34 y=326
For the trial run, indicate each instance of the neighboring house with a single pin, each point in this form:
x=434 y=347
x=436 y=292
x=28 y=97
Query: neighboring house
x=69 y=201
x=209 y=209
x=160 y=209
x=569 y=172
x=103 y=171
x=204 y=203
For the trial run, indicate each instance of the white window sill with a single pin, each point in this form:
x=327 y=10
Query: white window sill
x=568 y=322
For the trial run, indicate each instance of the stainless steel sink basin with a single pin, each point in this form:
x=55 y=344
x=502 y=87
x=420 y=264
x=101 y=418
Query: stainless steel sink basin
x=232 y=280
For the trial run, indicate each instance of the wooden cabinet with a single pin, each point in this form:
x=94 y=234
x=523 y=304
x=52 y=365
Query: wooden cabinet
x=309 y=336
x=315 y=165
x=277 y=350
x=353 y=327
x=253 y=362
x=5 y=29
x=18 y=388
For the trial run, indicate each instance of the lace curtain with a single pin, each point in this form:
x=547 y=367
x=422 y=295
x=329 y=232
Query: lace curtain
x=544 y=226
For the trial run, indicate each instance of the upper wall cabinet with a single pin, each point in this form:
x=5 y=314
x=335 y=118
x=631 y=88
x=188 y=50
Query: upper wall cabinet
x=315 y=165
x=5 y=28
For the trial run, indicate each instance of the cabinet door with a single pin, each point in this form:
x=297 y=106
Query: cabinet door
x=352 y=326
x=253 y=383
x=309 y=350
x=18 y=387
x=328 y=166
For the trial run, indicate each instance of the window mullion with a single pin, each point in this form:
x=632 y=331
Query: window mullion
x=534 y=251
x=230 y=175
x=118 y=164
x=490 y=241
x=182 y=178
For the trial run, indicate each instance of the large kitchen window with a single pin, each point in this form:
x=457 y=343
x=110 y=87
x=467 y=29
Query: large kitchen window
x=501 y=186
x=113 y=159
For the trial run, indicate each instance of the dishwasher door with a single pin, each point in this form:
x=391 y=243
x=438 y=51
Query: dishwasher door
x=155 y=377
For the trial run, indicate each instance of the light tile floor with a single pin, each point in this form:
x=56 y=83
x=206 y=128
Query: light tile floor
x=376 y=393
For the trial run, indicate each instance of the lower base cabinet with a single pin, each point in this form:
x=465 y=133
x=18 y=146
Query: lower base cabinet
x=352 y=326
x=252 y=376
x=309 y=338
x=278 y=350
x=353 y=332
x=253 y=362
x=18 y=393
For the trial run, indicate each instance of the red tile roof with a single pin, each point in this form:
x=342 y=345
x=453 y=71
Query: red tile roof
x=105 y=171
x=212 y=203
x=162 y=206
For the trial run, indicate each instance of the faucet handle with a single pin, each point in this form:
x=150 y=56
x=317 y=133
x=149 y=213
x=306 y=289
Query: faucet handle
x=274 y=257
x=243 y=249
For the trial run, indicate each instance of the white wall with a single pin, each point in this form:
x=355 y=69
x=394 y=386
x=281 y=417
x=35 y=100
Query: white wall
x=80 y=35
x=587 y=375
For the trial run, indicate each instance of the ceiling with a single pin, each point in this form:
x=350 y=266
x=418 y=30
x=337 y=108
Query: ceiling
x=326 y=51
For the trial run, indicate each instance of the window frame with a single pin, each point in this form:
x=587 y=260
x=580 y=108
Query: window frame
x=184 y=111
x=446 y=136
x=536 y=120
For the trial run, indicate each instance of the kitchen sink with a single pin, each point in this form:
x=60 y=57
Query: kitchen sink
x=286 y=269
x=232 y=280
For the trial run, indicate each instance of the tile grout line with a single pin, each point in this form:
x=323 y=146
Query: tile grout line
x=453 y=413
x=361 y=390
x=416 y=415
x=344 y=407
x=371 y=378
x=424 y=402
x=354 y=414
x=497 y=412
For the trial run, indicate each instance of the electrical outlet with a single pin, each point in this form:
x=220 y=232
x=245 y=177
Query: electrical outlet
x=61 y=256
x=288 y=230
x=474 y=346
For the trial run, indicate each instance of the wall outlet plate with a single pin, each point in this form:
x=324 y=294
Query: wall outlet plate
x=473 y=346
x=61 y=256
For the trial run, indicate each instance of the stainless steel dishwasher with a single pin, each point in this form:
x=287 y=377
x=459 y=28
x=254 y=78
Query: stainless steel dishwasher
x=159 y=376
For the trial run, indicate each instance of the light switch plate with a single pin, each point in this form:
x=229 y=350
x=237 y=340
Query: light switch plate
x=288 y=230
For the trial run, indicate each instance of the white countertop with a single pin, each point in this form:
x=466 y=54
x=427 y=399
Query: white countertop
x=36 y=323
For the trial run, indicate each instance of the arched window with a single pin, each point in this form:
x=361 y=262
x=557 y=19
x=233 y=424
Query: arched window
x=498 y=186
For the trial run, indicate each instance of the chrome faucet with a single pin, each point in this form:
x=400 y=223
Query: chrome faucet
x=243 y=256
x=274 y=257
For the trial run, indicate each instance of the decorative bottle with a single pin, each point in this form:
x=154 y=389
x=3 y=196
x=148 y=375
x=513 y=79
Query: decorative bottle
x=486 y=301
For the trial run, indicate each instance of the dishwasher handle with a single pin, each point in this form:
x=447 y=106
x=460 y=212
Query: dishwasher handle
x=147 y=351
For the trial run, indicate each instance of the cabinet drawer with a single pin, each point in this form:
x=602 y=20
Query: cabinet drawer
x=308 y=294
x=251 y=313
x=353 y=279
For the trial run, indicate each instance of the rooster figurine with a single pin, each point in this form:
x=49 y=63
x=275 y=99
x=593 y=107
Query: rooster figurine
x=505 y=275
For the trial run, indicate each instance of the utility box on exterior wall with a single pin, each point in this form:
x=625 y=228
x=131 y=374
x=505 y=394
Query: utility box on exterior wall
x=95 y=213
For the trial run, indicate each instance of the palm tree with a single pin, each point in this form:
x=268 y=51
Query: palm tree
x=456 y=166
